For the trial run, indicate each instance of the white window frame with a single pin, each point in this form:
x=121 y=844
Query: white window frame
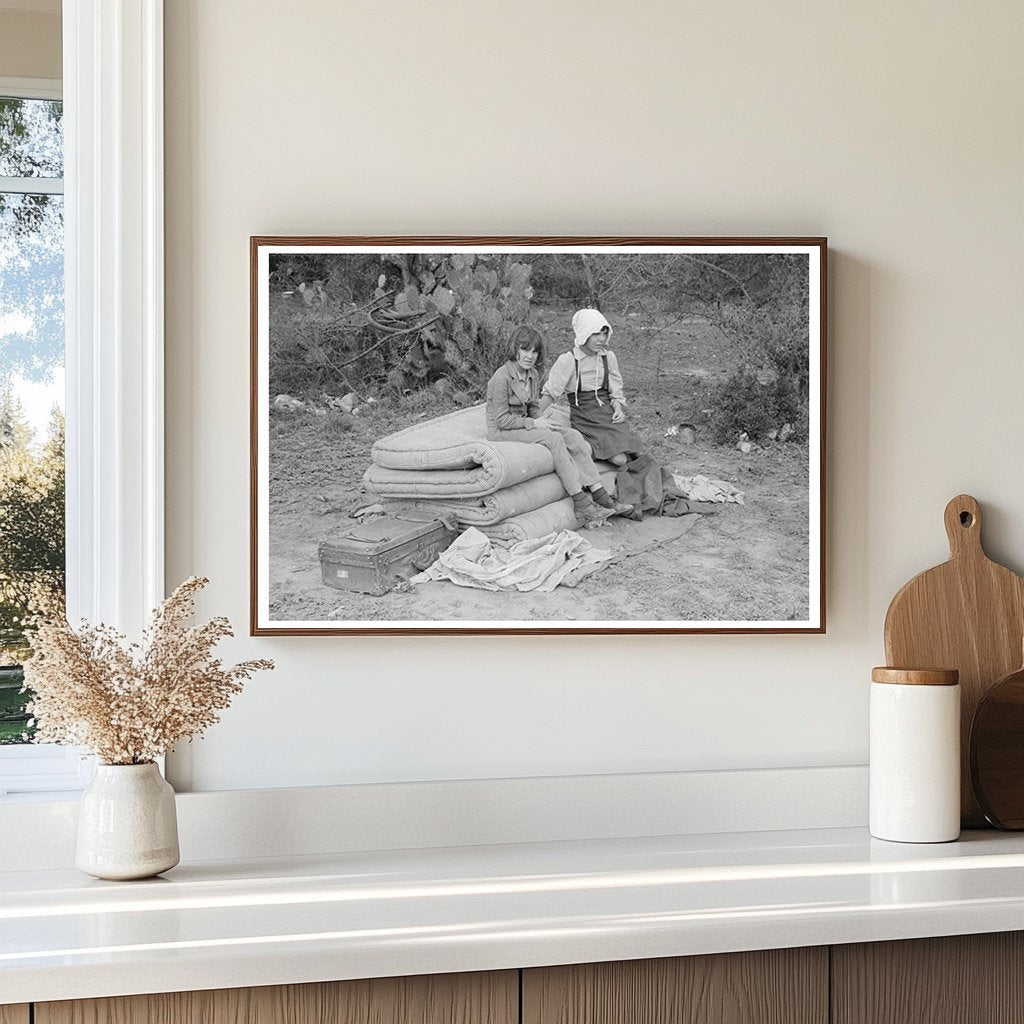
x=114 y=349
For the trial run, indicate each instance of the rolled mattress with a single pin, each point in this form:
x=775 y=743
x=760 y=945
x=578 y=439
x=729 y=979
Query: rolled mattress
x=552 y=518
x=450 y=457
x=506 y=464
x=491 y=508
x=457 y=440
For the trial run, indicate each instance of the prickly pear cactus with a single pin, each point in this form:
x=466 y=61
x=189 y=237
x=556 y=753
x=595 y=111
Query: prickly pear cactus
x=469 y=304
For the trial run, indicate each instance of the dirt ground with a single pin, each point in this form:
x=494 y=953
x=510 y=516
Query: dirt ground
x=740 y=562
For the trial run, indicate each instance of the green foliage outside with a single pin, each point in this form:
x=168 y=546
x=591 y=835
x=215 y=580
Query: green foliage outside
x=31 y=242
x=32 y=547
x=31 y=348
x=31 y=146
x=13 y=723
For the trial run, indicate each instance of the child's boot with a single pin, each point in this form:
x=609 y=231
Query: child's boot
x=587 y=512
x=605 y=500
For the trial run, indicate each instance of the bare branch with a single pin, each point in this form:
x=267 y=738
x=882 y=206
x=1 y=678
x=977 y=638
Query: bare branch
x=714 y=266
x=390 y=337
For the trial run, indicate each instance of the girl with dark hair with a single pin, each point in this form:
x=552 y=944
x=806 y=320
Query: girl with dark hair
x=513 y=409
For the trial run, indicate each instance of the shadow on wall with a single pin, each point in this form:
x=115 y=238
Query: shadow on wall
x=853 y=287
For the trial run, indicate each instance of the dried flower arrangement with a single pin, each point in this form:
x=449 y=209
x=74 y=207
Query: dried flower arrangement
x=130 y=703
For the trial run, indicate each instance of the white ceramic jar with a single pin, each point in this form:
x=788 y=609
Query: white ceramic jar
x=127 y=823
x=915 y=755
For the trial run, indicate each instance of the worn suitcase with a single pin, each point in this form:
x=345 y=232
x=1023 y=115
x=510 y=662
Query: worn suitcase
x=375 y=556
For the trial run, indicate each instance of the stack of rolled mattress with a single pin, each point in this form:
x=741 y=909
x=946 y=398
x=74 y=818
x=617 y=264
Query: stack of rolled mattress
x=448 y=467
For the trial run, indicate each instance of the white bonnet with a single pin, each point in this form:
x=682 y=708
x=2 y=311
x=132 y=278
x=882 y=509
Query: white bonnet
x=586 y=322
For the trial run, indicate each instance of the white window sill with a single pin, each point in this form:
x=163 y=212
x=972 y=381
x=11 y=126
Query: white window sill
x=40 y=798
x=42 y=772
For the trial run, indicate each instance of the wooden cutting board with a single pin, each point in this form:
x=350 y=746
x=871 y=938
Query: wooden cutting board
x=967 y=614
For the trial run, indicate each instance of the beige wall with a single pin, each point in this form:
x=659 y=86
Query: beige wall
x=29 y=44
x=895 y=129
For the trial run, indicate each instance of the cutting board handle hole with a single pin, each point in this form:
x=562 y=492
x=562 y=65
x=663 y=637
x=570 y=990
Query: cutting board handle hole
x=966 y=519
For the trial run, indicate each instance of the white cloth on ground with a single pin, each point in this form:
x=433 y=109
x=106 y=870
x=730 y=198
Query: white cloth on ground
x=538 y=565
x=701 y=488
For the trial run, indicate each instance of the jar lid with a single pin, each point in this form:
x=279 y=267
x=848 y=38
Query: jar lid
x=916 y=676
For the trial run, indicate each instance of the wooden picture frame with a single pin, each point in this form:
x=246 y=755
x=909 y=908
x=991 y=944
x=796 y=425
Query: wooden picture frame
x=722 y=344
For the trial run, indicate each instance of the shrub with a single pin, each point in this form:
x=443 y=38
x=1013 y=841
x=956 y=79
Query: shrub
x=559 y=280
x=742 y=403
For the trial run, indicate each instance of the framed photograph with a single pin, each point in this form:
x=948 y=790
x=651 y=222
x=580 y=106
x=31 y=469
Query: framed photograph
x=537 y=435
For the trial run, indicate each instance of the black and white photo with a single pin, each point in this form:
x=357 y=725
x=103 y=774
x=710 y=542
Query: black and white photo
x=537 y=435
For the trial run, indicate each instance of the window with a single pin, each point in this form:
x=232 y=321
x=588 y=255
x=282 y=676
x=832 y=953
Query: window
x=31 y=381
x=32 y=532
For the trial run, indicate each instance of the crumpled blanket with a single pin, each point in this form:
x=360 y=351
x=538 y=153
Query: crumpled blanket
x=531 y=565
x=649 y=488
x=701 y=488
x=638 y=483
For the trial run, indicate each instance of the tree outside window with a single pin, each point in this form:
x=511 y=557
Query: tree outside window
x=32 y=544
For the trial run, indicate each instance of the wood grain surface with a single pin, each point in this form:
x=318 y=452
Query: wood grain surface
x=962 y=979
x=480 y=998
x=967 y=614
x=997 y=752
x=778 y=986
x=15 y=1014
x=915 y=676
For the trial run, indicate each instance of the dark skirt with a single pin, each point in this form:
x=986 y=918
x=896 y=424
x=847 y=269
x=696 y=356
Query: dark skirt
x=594 y=422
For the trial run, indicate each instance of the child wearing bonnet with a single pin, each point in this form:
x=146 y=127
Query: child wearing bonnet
x=589 y=376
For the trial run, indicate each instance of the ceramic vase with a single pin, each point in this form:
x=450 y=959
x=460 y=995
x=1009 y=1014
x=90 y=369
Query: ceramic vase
x=915 y=755
x=127 y=825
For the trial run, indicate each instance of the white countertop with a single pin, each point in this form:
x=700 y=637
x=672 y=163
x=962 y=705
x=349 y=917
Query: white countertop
x=225 y=924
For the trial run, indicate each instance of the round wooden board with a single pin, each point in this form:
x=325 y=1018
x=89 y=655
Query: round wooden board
x=997 y=752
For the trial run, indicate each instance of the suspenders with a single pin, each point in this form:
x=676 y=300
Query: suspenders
x=604 y=382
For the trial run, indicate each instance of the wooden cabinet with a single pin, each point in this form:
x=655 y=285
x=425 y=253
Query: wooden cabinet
x=962 y=979
x=967 y=979
x=491 y=998
x=777 y=986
